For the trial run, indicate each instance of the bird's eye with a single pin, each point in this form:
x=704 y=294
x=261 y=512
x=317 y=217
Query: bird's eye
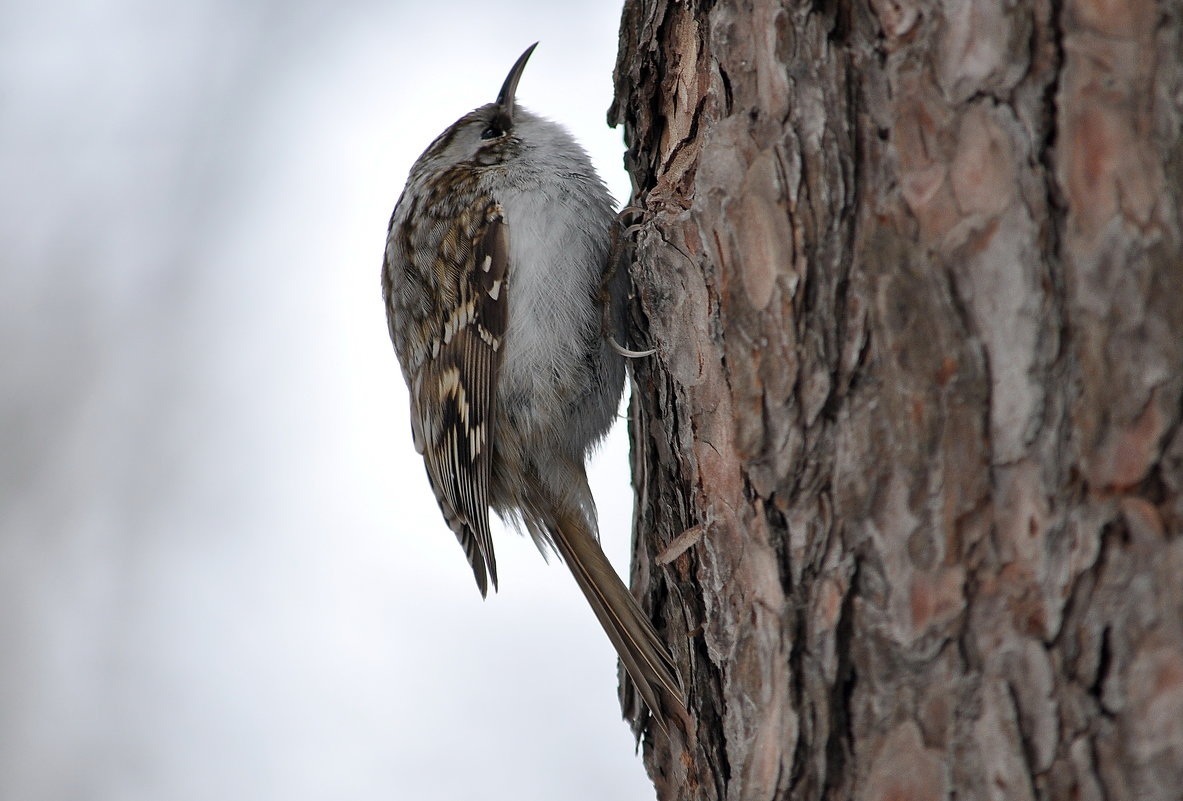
x=491 y=132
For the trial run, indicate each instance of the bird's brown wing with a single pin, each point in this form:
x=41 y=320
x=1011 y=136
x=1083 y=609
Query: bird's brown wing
x=454 y=389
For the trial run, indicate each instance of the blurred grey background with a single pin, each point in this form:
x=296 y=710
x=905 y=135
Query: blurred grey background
x=222 y=574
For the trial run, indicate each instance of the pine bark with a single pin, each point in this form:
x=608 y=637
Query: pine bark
x=908 y=459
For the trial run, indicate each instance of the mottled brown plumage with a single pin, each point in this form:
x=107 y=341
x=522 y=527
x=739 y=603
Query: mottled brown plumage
x=492 y=281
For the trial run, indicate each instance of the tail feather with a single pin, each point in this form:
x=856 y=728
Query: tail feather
x=645 y=657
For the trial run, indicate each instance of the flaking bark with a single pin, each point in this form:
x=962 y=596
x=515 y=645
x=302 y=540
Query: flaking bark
x=908 y=459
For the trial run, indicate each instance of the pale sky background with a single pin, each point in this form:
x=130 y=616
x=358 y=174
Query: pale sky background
x=222 y=573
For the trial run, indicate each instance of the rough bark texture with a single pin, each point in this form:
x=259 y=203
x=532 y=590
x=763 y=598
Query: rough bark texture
x=909 y=457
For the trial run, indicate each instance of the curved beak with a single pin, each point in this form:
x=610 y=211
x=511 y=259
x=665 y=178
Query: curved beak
x=510 y=88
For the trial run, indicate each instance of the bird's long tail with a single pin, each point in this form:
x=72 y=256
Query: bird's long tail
x=644 y=655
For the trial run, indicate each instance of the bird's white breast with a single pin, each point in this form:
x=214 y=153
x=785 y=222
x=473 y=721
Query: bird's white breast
x=552 y=286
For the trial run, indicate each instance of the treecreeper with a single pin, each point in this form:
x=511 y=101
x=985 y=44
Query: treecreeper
x=496 y=300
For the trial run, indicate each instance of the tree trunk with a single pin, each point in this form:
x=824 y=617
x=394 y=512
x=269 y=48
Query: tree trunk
x=908 y=459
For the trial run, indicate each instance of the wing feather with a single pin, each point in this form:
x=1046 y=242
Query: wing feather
x=454 y=390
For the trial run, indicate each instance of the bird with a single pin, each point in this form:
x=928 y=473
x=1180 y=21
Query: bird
x=498 y=293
